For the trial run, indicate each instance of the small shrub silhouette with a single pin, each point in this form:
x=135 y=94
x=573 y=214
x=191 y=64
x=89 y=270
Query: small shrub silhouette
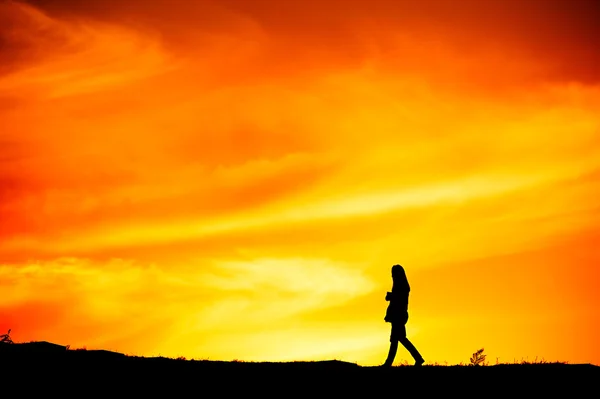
x=5 y=338
x=478 y=358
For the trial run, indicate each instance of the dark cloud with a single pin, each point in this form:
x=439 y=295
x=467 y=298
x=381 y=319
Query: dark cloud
x=562 y=33
x=561 y=21
x=27 y=36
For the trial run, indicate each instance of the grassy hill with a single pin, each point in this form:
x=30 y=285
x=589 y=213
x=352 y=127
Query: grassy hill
x=43 y=367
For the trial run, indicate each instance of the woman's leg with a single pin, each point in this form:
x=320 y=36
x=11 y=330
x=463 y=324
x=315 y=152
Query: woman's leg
x=396 y=330
x=413 y=351
x=392 y=353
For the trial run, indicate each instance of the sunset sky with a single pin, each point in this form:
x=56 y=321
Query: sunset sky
x=233 y=179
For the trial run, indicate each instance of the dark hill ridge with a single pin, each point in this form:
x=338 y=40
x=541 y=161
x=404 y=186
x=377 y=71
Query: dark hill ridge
x=66 y=372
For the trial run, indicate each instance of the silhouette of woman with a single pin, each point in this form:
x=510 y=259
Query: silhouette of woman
x=397 y=315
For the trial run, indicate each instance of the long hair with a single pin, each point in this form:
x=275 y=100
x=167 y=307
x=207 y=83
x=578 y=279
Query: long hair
x=400 y=282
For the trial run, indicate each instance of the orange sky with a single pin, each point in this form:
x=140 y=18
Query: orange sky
x=234 y=179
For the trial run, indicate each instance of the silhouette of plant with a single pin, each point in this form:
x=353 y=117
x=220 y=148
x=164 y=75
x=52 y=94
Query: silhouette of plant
x=5 y=338
x=478 y=358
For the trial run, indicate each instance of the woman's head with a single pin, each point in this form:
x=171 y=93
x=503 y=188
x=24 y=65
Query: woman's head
x=398 y=271
x=399 y=278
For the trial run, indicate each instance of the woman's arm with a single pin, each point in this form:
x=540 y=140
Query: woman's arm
x=397 y=297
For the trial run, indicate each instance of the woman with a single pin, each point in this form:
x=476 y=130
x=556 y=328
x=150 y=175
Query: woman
x=397 y=315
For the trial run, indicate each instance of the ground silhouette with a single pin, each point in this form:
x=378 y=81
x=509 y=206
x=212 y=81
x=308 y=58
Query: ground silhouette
x=47 y=368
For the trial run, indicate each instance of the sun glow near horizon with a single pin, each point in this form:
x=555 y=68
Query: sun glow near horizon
x=224 y=180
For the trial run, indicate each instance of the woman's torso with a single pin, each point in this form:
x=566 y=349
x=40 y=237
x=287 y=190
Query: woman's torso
x=398 y=308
